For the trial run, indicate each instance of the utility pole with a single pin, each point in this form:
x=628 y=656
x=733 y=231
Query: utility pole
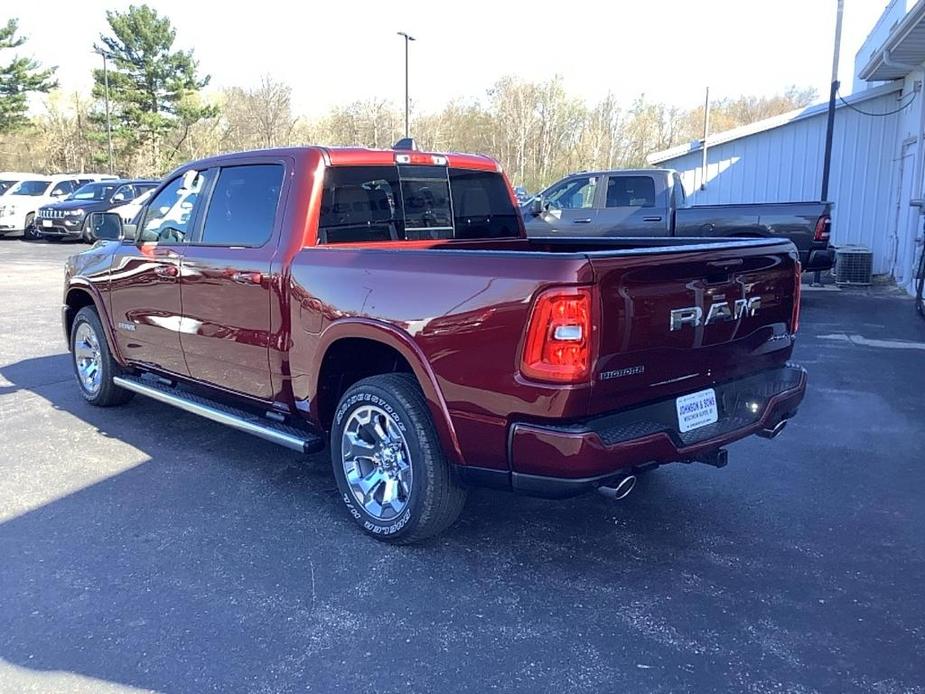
x=408 y=39
x=830 y=125
x=706 y=132
x=106 y=98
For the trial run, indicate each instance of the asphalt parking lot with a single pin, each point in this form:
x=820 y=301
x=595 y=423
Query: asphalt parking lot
x=146 y=549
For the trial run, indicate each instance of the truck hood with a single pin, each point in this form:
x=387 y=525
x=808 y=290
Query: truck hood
x=87 y=205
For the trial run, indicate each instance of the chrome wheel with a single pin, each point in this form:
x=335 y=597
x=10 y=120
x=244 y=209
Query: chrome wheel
x=88 y=358
x=377 y=464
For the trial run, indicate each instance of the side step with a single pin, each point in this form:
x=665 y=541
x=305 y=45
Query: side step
x=236 y=418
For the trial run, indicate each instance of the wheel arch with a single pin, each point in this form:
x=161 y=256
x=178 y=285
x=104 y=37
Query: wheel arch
x=78 y=296
x=369 y=339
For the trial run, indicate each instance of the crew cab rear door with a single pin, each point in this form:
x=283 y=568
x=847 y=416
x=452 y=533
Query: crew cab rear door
x=677 y=320
x=634 y=204
x=226 y=283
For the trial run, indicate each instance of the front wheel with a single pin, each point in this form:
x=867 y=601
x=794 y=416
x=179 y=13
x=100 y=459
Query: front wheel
x=389 y=465
x=31 y=231
x=94 y=366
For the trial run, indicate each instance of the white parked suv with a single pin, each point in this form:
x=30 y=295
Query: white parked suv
x=18 y=206
x=8 y=179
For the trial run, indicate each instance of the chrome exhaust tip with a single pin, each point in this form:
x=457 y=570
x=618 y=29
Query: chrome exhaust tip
x=773 y=432
x=621 y=490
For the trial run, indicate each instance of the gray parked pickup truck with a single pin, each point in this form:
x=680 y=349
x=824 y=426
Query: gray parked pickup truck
x=652 y=202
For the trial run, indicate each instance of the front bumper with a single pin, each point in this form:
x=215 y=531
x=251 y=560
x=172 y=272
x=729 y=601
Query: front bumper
x=564 y=460
x=61 y=228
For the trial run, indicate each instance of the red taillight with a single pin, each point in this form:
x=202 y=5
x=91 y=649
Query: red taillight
x=823 y=228
x=558 y=344
x=795 y=316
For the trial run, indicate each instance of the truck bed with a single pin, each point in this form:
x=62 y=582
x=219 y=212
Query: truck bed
x=463 y=306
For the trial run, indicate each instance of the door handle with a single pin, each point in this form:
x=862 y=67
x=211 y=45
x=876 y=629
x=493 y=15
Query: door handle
x=166 y=271
x=247 y=277
x=582 y=221
x=651 y=219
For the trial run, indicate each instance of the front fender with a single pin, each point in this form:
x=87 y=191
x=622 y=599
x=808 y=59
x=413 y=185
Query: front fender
x=403 y=344
x=72 y=304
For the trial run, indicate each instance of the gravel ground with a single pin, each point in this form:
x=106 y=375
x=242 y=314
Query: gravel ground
x=142 y=548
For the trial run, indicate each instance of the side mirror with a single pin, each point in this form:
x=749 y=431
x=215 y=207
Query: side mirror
x=58 y=194
x=536 y=206
x=106 y=226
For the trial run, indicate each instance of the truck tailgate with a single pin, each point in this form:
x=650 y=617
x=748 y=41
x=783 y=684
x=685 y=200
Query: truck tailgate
x=732 y=304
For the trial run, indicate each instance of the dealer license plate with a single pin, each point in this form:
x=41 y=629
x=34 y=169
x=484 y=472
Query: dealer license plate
x=46 y=222
x=696 y=410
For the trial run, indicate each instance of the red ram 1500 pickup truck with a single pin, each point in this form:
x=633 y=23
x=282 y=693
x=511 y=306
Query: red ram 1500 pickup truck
x=389 y=304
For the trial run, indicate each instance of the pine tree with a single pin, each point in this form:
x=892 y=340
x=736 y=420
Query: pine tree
x=152 y=88
x=18 y=79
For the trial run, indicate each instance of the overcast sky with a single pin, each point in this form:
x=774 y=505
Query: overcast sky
x=336 y=52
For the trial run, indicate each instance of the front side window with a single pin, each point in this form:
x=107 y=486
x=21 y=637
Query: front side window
x=169 y=217
x=123 y=193
x=33 y=188
x=573 y=194
x=5 y=186
x=242 y=206
x=63 y=188
x=410 y=202
x=631 y=191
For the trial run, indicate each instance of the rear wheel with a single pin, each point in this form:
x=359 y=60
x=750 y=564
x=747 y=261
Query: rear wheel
x=389 y=465
x=94 y=366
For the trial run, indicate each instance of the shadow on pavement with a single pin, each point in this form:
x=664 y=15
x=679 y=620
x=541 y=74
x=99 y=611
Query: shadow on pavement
x=223 y=563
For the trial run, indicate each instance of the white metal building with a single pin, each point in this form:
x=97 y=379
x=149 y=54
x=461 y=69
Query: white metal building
x=878 y=157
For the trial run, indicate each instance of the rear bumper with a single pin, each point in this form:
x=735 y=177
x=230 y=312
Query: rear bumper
x=564 y=460
x=818 y=259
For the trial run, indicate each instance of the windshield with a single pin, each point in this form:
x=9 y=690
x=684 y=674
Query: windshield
x=33 y=188
x=93 y=191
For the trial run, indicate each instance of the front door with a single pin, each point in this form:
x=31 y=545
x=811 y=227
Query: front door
x=569 y=209
x=227 y=285
x=144 y=296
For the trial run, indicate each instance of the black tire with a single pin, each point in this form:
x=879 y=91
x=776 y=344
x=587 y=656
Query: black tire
x=31 y=232
x=86 y=235
x=107 y=393
x=436 y=498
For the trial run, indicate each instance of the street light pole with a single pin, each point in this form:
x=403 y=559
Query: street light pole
x=408 y=38
x=106 y=98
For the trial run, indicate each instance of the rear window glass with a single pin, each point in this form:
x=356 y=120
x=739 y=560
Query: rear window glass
x=391 y=203
x=631 y=191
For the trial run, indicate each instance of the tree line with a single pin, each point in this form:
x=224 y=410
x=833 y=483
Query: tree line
x=161 y=114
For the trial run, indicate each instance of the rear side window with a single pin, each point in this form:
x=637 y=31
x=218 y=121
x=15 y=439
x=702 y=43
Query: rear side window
x=242 y=207
x=390 y=203
x=631 y=191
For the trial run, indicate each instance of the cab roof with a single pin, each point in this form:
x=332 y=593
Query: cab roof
x=358 y=156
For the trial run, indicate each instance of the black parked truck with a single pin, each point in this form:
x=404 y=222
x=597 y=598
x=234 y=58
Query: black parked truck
x=652 y=202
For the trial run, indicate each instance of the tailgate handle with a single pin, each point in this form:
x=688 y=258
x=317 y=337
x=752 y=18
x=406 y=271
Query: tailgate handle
x=651 y=219
x=732 y=262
